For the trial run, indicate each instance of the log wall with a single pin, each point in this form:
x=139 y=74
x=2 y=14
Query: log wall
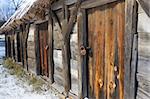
x=31 y=49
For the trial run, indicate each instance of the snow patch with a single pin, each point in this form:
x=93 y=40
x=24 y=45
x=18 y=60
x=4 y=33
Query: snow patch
x=12 y=88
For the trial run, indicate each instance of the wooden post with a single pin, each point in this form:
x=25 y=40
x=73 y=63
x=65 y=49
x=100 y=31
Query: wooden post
x=130 y=29
x=50 y=44
x=24 y=42
x=67 y=26
x=83 y=82
x=37 y=51
x=6 y=46
x=21 y=45
x=12 y=45
x=66 y=53
x=9 y=46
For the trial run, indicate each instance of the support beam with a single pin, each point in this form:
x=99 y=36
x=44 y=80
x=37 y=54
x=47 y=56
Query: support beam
x=6 y=46
x=25 y=34
x=50 y=44
x=21 y=45
x=83 y=82
x=94 y=3
x=130 y=30
x=37 y=51
x=66 y=54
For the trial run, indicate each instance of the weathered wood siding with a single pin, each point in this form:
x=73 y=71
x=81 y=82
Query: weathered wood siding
x=143 y=70
x=58 y=66
x=31 y=49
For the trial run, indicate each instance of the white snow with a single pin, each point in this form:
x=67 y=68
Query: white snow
x=13 y=88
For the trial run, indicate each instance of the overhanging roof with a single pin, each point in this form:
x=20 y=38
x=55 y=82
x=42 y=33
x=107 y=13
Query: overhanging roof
x=28 y=10
x=145 y=4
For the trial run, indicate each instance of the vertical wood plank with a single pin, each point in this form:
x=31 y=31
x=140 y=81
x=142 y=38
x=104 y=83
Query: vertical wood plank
x=120 y=31
x=66 y=54
x=99 y=52
x=37 y=50
x=45 y=53
x=50 y=50
x=25 y=41
x=130 y=29
x=6 y=45
x=83 y=82
x=21 y=45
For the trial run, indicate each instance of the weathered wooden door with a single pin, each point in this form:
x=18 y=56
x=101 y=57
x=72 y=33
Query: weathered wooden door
x=43 y=32
x=106 y=51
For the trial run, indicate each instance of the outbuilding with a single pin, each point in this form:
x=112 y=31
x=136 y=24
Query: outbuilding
x=87 y=48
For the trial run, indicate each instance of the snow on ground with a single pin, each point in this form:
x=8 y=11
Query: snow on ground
x=13 y=88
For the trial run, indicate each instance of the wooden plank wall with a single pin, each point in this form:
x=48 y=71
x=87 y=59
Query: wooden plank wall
x=31 y=49
x=58 y=67
x=143 y=70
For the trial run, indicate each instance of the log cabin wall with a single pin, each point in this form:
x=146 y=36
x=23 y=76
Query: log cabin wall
x=58 y=67
x=143 y=69
x=59 y=79
x=31 y=49
x=15 y=44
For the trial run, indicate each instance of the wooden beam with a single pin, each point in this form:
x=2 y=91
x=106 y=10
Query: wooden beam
x=83 y=82
x=130 y=30
x=66 y=54
x=94 y=3
x=21 y=44
x=37 y=50
x=58 y=5
x=6 y=45
x=25 y=40
x=50 y=44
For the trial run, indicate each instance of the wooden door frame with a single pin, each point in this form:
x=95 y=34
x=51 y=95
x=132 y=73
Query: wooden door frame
x=130 y=48
x=129 y=62
x=83 y=41
x=37 y=45
x=37 y=50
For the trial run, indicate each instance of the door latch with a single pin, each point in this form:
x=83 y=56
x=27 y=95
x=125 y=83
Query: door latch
x=85 y=50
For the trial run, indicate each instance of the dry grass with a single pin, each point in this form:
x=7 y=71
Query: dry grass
x=16 y=69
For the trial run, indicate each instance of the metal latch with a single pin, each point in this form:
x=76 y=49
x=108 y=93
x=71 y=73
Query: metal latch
x=85 y=50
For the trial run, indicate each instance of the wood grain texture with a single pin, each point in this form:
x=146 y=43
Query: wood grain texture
x=50 y=49
x=105 y=37
x=130 y=29
x=37 y=50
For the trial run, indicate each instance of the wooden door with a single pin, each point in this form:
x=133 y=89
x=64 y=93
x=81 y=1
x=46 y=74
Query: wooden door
x=105 y=60
x=43 y=46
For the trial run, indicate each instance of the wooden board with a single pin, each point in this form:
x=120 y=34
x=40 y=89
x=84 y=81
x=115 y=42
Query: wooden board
x=43 y=46
x=105 y=37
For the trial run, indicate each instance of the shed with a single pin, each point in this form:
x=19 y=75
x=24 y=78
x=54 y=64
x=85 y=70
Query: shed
x=87 y=48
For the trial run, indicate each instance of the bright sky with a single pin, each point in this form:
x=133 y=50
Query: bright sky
x=3 y=3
